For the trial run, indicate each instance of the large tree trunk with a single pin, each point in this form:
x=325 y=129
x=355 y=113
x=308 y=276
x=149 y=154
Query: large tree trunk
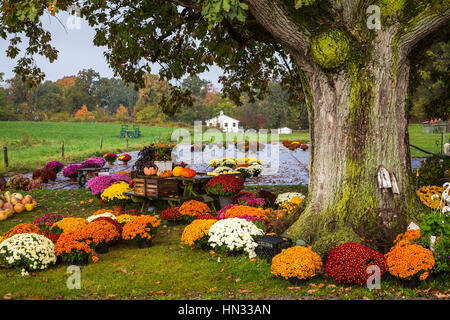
x=355 y=81
x=359 y=122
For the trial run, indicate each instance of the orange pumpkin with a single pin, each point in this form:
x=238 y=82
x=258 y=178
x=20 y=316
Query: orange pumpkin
x=166 y=174
x=188 y=173
x=150 y=171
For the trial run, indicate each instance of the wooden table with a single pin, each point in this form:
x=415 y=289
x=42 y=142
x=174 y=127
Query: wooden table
x=192 y=190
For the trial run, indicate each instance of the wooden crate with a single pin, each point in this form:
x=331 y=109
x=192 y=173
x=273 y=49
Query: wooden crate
x=155 y=187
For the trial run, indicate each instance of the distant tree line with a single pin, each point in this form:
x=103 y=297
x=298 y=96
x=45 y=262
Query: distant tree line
x=89 y=97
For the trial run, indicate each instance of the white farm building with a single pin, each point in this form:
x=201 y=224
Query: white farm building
x=284 y=130
x=224 y=122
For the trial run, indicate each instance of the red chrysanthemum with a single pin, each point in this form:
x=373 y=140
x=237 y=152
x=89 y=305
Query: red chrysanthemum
x=348 y=263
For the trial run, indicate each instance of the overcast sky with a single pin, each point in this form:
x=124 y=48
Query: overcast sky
x=76 y=52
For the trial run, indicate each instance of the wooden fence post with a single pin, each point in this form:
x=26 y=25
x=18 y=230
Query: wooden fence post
x=101 y=143
x=5 y=155
x=127 y=140
x=62 y=149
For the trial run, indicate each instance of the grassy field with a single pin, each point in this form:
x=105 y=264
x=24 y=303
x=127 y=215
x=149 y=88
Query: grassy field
x=32 y=144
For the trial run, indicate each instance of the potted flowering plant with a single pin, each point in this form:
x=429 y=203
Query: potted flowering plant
x=125 y=158
x=27 y=252
x=110 y=158
x=234 y=235
x=224 y=186
x=115 y=195
x=44 y=175
x=163 y=156
x=172 y=215
x=55 y=166
x=296 y=264
x=99 y=234
x=71 y=171
x=95 y=162
x=100 y=183
x=46 y=221
x=70 y=249
x=141 y=229
x=195 y=234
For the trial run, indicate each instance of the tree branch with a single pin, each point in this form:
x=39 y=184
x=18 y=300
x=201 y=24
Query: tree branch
x=273 y=18
x=422 y=28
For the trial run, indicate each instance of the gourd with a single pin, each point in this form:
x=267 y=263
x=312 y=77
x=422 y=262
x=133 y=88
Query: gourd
x=177 y=171
x=3 y=216
x=150 y=171
x=166 y=174
x=18 y=208
x=188 y=173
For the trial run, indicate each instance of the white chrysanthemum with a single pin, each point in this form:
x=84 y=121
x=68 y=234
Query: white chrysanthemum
x=102 y=215
x=287 y=196
x=234 y=234
x=27 y=252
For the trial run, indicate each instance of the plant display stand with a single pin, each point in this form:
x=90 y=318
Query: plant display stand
x=85 y=173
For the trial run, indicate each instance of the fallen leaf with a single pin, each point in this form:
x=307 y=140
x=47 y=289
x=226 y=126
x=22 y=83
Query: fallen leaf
x=212 y=289
x=365 y=298
x=237 y=280
x=294 y=288
x=158 y=282
x=124 y=270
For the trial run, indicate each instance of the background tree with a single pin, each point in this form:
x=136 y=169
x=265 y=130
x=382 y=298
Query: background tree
x=354 y=80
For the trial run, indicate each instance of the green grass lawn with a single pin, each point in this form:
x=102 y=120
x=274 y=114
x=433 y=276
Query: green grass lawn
x=32 y=144
x=429 y=142
x=168 y=270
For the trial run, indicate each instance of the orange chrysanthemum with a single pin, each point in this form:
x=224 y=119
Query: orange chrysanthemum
x=196 y=231
x=140 y=228
x=427 y=195
x=408 y=260
x=194 y=208
x=68 y=224
x=22 y=228
x=99 y=232
x=296 y=262
x=239 y=211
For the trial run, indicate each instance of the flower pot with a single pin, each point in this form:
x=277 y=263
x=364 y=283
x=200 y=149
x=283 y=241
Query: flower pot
x=411 y=283
x=102 y=248
x=233 y=253
x=225 y=201
x=111 y=163
x=296 y=281
x=125 y=163
x=145 y=243
x=58 y=260
x=101 y=201
x=74 y=179
x=82 y=262
x=118 y=209
x=172 y=223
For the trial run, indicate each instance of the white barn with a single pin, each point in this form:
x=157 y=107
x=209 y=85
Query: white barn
x=226 y=123
x=284 y=130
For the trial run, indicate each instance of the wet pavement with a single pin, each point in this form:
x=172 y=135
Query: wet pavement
x=281 y=166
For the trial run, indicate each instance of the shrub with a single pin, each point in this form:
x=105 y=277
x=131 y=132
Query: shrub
x=348 y=263
x=71 y=249
x=296 y=262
